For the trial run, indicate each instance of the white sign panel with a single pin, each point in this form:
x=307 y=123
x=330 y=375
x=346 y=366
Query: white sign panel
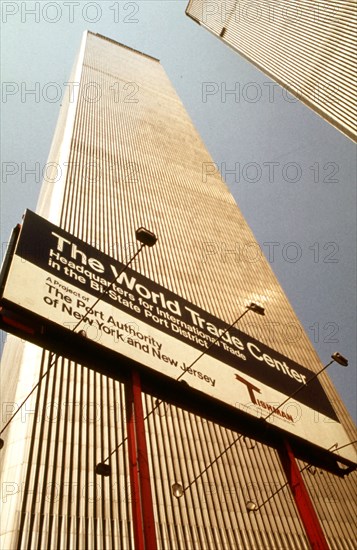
x=59 y=278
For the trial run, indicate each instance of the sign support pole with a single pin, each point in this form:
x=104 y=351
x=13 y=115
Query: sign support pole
x=142 y=504
x=133 y=469
x=302 y=499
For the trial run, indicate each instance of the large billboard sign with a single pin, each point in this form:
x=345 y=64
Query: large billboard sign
x=57 y=278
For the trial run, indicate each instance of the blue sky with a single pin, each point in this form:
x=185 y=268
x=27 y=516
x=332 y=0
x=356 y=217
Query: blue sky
x=294 y=174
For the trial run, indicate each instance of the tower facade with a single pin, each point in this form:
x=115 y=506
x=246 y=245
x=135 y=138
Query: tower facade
x=125 y=155
x=309 y=49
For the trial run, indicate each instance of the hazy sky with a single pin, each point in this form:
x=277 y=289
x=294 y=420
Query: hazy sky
x=295 y=174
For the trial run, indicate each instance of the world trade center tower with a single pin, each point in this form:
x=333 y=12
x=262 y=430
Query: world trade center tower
x=126 y=155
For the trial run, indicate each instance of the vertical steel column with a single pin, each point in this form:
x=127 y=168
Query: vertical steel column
x=302 y=498
x=142 y=504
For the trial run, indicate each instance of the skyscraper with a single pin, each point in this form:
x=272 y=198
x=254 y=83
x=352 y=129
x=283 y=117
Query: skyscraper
x=309 y=49
x=124 y=155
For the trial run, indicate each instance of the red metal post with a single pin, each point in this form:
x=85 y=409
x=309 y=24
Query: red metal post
x=142 y=504
x=144 y=474
x=133 y=468
x=302 y=498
